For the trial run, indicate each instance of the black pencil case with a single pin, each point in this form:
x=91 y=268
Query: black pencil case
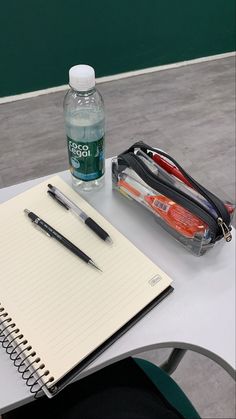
x=187 y=210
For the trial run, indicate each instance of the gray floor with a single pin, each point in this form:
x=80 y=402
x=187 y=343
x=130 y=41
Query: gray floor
x=190 y=113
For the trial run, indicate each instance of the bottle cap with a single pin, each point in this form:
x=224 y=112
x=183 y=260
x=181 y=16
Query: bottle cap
x=82 y=77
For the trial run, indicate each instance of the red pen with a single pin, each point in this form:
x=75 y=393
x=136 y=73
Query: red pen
x=173 y=170
x=169 y=168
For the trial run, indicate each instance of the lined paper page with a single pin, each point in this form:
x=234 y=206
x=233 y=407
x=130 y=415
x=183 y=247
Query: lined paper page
x=64 y=307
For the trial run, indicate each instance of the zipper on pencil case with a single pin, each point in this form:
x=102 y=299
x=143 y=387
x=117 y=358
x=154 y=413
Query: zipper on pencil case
x=210 y=197
x=217 y=225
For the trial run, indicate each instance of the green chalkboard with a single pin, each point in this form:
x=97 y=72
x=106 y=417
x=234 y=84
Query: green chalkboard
x=41 y=39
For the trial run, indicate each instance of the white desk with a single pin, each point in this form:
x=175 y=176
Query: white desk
x=198 y=315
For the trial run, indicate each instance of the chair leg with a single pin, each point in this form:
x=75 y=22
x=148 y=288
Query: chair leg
x=173 y=361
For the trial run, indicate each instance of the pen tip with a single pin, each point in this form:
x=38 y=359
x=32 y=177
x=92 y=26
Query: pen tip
x=26 y=211
x=109 y=240
x=50 y=186
x=94 y=264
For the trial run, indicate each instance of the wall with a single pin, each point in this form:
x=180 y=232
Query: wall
x=42 y=39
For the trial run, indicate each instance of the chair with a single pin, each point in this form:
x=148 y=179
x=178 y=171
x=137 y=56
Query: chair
x=129 y=389
x=168 y=387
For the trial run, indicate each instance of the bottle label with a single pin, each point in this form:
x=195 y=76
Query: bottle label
x=86 y=159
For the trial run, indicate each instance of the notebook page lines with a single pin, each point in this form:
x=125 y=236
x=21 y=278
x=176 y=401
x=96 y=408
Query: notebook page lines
x=64 y=307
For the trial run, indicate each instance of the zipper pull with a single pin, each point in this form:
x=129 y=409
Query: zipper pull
x=225 y=229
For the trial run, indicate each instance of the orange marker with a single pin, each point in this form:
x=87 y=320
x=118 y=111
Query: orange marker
x=180 y=219
x=176 y=216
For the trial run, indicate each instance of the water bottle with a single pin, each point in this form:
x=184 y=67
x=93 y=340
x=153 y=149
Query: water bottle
x=85 y=129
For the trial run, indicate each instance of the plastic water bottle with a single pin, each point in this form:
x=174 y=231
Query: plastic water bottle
x=85 y=129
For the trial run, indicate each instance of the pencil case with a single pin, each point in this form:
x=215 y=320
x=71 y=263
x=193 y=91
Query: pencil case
x=189 y=212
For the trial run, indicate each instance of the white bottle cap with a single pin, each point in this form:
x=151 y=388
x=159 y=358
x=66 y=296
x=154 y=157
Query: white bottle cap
x=82 y=77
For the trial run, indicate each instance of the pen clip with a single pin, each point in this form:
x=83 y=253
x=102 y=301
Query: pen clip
x=54 y=196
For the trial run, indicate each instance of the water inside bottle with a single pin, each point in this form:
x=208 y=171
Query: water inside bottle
x=86 y=126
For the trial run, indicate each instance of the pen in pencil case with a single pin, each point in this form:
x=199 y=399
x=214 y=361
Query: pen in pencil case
x=181 y=181
x=170 y=168
x=170 y=177
x=161 y=174
x=180 y=219
x=64 y=201
x=51 y=232
x=155 y=168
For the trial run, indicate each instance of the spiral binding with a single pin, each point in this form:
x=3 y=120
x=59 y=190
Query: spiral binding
x=22 y=354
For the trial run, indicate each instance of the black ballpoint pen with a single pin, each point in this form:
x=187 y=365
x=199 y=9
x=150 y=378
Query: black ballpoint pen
x=51 y=232
x=63 y=200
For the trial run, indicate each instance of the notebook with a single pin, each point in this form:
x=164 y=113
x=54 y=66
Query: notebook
x=57 y=313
